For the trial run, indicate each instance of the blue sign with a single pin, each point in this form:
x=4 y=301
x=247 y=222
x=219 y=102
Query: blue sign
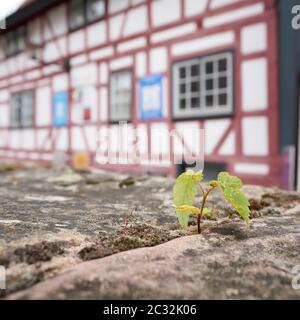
x=151 y=97
x=60 y=109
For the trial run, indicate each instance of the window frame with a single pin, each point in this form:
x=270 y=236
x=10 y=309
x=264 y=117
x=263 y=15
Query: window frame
x=21 y=122
x=112 y=118
x=201 y=112
x=86 y=21
x=16 y=35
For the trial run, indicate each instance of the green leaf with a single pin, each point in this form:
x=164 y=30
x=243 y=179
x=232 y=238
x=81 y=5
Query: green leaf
x=184 y=192
x=188 y=209
x=230 y=187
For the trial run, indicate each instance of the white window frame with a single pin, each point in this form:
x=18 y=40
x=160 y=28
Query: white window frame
x=117 y=111
x=203 y=110
x=21 y=110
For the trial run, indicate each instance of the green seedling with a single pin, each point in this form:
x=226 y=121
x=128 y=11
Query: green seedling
x=189 y=183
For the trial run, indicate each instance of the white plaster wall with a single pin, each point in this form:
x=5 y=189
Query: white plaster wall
x=121 y=63
x=234 y=15
x=228 y=147
x=28 y=139
x=91 y=135
x=174 y=32
x=76 y=41
x=43 y=106
x=136 y=21
x=115 y=25
x=4 y=95
x=15 y=139
x=60 y=82
x=57 y=16
x=102 y=53
x=84 y=75
x=103 y=104
x=190 y=140
x=96 y=34
x=221 y=3
x=3 y=138
x=254 y=38
x=4 y=115
x=203 y=43
x=132 y=44
x=50 y=52
x=43 y=139
x=78 y=143
x=252 y=168
x=214 y=131
x=158 y=60
x=141 y=64
x=193 y=7
x=255 y=136
x=165 y=11
x=254 y=84
x=103 y=73
x=117 y=5
x=62 y=142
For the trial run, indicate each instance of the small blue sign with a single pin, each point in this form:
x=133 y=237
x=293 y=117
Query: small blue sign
x=151 y=97
x=60 y=109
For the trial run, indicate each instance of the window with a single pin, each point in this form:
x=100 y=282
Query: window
x=21 y=115
x=15 y=41
x=95 y=10
x=203 y=86
x=82 y=12
x=120 y=96
x=77 y=17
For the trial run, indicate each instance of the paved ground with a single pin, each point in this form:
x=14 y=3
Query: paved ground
x=53 y=221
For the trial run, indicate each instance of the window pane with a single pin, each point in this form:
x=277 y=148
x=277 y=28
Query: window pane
x=182 y=104
x=11 y=44
x=195 y=70
x=120 y=96
x=20 y=39
x=182 y=73
x=222 y=65
x=209 y=101
x=223 y=99
x=195 y=86
x=26 y=109
x=209 y=84
x=95 y=9
x=223 y=82
x=15 y=115
x=195 y=103
x=76 y=17
x=182 y=88
x=209 y=68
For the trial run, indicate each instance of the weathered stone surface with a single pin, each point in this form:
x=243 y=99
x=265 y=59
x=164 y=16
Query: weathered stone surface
x=51 y=221
x=228 y=261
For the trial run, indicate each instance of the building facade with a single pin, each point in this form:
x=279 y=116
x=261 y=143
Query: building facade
x=70 y=68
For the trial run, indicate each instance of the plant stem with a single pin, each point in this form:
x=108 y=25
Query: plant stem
x=205 y=195
x=198 y=223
